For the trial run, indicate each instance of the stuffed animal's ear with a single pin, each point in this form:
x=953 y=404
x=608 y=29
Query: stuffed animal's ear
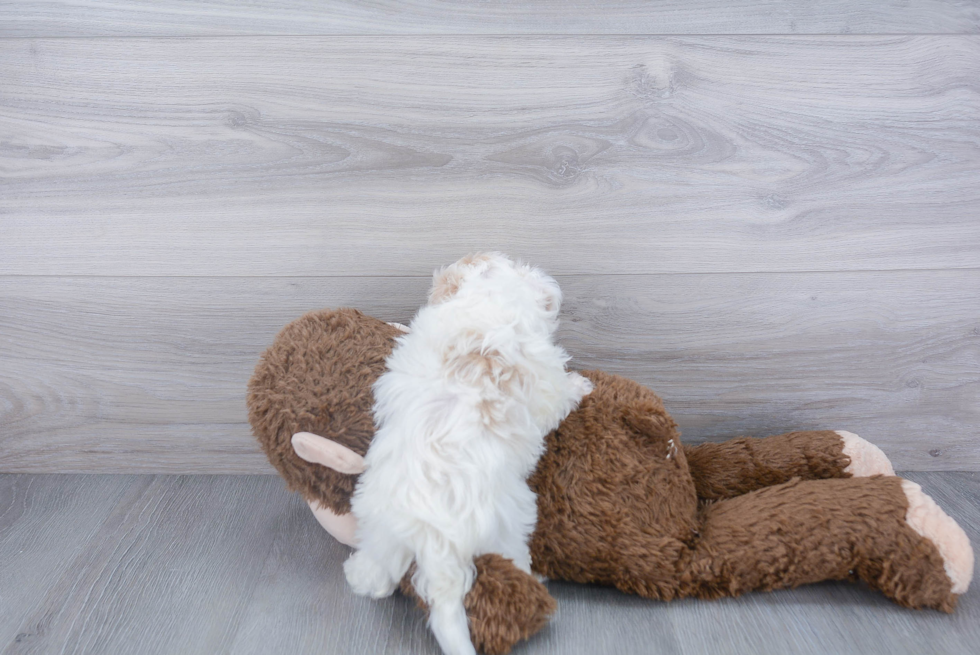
x=331 y=454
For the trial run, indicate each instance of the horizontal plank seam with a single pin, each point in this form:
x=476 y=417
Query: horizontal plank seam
x=423 y=277
x=454 y=35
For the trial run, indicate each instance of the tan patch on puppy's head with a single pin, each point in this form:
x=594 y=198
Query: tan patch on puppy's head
x=445 y=285
x=474 y=259
x=447 y=281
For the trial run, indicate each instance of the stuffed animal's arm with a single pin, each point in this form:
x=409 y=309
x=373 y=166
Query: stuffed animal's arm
x=735 y=467
x=331 y=454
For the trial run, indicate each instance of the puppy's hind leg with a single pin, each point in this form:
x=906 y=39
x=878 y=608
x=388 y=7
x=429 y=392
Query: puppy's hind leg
x=369 y=574
x=367 y=577
x=581 y=386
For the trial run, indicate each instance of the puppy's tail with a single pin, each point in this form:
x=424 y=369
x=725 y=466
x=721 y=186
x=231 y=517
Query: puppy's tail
x=449 y=625
x=443 y=581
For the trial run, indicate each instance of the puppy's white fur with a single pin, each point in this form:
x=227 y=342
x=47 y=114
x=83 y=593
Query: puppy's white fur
x=462 y=411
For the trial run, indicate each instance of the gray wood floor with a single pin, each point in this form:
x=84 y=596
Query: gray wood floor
x=766 y=210
x=234 y=564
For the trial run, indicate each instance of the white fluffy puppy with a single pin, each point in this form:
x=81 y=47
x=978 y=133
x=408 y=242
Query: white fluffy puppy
x=462 y=411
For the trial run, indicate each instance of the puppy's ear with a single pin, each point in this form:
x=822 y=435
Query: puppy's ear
x=549 y=293
x=552 y=297
x=445 y=284
x=447 y=281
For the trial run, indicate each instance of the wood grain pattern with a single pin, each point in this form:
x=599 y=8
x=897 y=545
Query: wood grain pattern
x=171 y=569
x=210 y=17
x=149 y=374
x=43 y=523
x=303 y=579
x=234 y=564
x=360 y=156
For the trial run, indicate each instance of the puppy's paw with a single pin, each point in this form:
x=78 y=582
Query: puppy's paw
x=581 y=385
x=368 y=578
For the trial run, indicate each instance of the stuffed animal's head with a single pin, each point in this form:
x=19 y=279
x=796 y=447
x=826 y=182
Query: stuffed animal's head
x=316 y=378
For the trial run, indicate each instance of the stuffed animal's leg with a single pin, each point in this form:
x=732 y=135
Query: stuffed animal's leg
x=883 y=530
x=731 y=468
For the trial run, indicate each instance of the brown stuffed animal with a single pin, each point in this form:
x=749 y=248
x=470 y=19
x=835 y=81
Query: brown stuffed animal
x=620 y=501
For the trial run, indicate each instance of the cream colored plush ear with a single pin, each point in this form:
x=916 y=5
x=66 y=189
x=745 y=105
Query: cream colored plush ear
x=331 y=454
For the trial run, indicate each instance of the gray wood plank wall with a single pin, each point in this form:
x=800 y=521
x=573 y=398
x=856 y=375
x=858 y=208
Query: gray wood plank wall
x=772 y=218
x=210 y=17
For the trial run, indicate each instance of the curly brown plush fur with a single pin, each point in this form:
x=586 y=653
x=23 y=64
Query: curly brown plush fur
x=736 y=467
x=317 y=378
x=622 y=508
x=808 y=531
x=620 y=500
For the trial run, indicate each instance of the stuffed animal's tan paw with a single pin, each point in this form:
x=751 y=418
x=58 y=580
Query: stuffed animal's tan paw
x=866 y=458
x=930 y=521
